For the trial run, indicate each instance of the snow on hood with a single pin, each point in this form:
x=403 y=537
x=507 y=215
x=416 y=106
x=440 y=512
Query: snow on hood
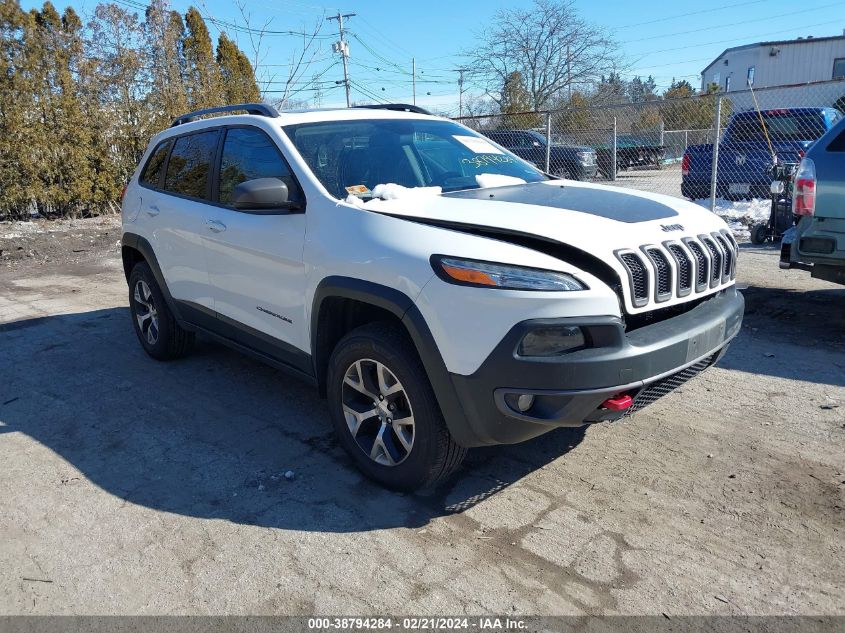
x=497 y=180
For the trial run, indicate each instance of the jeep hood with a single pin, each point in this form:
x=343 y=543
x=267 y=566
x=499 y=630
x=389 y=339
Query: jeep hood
x=594 y=218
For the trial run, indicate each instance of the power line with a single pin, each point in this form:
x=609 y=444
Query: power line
x=720 y=26
x=683 y=15
x=734 y=39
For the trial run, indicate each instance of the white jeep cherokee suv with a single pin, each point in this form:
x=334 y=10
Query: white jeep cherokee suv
x=441 y=292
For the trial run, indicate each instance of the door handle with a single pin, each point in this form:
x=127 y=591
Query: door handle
x=214 y=225
x=153 y=210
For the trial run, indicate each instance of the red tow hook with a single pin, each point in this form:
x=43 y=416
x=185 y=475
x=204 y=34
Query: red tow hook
x=618 y=403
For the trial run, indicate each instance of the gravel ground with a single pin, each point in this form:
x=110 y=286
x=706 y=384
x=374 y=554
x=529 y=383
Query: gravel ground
x=129 y=486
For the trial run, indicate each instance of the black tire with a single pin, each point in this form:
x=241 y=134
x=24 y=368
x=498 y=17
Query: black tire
x=434 y=455
x=758 y=233
x=170 y=341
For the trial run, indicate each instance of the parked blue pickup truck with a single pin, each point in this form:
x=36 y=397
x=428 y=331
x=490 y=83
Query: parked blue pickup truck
x=744 y=155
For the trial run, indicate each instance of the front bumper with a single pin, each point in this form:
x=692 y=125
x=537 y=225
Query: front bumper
x=569 y=389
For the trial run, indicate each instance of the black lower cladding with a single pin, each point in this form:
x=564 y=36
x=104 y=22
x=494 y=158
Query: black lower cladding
x=568 y=390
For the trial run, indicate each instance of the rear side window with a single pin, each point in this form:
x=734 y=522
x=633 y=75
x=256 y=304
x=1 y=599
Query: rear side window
x=189 y=167
x=781 y=125
x=838 y=143
x=155 y=165
x=248 y=154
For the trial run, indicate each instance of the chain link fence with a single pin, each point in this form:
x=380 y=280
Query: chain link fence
x=671 y=146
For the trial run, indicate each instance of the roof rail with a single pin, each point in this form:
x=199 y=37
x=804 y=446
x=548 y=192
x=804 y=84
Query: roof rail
x=260 y=109
x=396 y=107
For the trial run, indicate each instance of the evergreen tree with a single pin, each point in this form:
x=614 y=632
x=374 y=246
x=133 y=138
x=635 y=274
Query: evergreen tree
x=115 y=50
x=516 y=100
x=238 y=77
x=162 y=54
x=203 y=81
x=18 y=159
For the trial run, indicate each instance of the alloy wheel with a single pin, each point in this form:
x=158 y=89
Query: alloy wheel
x=378 y=412
x=145 y=312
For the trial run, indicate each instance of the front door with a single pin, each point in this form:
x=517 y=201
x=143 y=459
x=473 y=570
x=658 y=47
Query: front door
x=255 y=260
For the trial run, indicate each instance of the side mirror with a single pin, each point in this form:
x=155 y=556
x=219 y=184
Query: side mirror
x=262 y=194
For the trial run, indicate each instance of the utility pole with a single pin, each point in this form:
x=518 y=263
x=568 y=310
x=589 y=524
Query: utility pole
x=414 y=78
x=461 y=72
x=342 y=47
x=569 y=73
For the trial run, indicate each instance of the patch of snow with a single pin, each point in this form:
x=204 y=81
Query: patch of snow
x=740 y=215
x=355 y=201
x=392 y=191
x=497 y=180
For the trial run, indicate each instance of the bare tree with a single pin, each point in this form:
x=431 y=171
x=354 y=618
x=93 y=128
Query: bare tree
x=549 y=44
x=299 y=63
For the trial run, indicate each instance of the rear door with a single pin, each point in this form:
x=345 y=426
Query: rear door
x=174 y=200
x=255 y=259
x=828 y=156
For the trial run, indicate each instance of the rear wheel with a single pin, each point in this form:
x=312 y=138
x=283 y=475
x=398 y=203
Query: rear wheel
x=158 y=332
x=385 y=412
x=759 y=233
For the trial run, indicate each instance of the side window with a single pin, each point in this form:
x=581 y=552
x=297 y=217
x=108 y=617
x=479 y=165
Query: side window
x=838 y=143
x=155 y=165
x=248 y=154
x=524 y=140
x=190 y=164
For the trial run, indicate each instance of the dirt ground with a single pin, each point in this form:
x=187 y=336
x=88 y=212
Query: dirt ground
x=135 y=487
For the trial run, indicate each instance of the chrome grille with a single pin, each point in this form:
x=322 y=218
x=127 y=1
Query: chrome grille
x=638 y=277
x=663 y=273
x=729 y=256
x=716 y=258
x=684 y=265
x=679 y=268
x=702 y=265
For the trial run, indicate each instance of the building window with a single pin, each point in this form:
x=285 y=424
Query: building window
x=839 y=68
x=717 y=78
x=728 y=83
x=750 y=77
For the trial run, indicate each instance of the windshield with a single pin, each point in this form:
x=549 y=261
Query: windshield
x=781 y=126
x=352 y=157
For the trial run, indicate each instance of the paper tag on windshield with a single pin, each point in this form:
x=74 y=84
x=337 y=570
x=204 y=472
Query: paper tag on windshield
x=358 y=190
x=478 y=145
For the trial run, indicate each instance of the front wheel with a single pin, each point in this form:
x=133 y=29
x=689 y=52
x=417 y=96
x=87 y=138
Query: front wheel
x=158 y=332
x=385 y=412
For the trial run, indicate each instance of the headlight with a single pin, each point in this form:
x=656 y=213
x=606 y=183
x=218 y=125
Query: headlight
x=587 y=158
x=467 y=272
x=552 y=341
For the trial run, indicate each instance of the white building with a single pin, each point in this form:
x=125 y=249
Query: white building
x=783 y=63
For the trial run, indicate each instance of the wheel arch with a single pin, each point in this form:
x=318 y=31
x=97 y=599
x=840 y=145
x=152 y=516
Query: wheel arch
x=329 y=324
x=135 y=249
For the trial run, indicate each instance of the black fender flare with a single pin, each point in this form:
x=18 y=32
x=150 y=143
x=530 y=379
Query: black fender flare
x=142 y=245
x=403 y=307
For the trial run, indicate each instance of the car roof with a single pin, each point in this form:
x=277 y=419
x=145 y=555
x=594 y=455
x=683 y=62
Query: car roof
x=292 y=117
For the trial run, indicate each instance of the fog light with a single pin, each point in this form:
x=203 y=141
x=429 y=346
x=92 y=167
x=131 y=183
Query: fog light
x=552 y=341
x=525 y=402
